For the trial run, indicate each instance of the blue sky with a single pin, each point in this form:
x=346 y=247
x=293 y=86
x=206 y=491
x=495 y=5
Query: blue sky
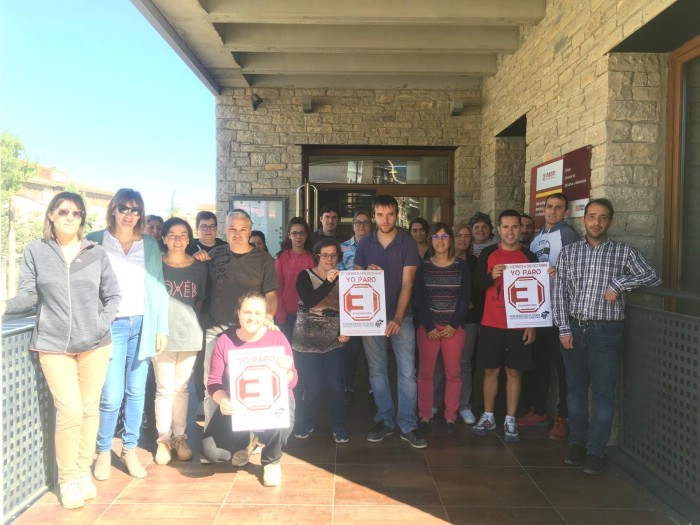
x=92 y=89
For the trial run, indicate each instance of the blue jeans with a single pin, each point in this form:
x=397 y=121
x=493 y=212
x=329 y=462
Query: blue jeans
x=322 y=377
x=595 y=361
x=404 y=346
x=126 y=374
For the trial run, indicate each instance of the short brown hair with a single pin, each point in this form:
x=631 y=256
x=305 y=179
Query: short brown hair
x=123 y=196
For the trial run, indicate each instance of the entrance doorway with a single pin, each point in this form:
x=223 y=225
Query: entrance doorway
x=421 y=180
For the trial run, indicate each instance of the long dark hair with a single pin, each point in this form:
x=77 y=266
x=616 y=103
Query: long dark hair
x=287 y=242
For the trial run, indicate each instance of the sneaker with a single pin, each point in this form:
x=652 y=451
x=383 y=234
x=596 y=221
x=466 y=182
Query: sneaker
x=484 y=426
x=242 y=457
x=379 y=432
x=467 y=416
x=576 y=455
x=181 y=448
x=87 y=487
x=71 y=495
x=103 y=465
x=414 y=439
x=560 y=429
x=594 y=465
x=424 y=426
x=163 y=455
x=450 y=427
x=303 y=434
x=272 y=475
x=532 y=419
x=434 y=412
x=510 y=432
x=132 y=463
x=341 y=436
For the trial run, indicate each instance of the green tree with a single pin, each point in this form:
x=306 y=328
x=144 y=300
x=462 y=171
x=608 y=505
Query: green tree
x=15 y=166
x=15 y=170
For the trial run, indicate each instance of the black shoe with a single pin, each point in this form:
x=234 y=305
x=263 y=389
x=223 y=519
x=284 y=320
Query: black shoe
x=349 y=398
x=379 y=432
x=450 y=427
x=576 y=456
x=424 y=427
x=415 y=439
x=594 y=464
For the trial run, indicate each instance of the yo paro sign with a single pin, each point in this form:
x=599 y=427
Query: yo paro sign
x=362 y=305
x=526 y=294
x=258 y=387
x=361 y=302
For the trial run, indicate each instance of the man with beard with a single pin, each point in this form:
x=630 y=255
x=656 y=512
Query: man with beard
x=589 y=309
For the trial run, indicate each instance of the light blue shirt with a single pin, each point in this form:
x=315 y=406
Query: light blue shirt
x=348 y=248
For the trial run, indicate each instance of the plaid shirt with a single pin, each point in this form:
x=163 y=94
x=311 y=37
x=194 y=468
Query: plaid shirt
x=584 y=272
x=348 y=248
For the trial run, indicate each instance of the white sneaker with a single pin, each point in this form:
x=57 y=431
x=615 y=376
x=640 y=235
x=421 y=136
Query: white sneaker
x=71 y=495
x=272 y=475
x=87 y=486
x=467 y=416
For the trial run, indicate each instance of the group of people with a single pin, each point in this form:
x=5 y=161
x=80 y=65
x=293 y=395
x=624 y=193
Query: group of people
x=114 y=301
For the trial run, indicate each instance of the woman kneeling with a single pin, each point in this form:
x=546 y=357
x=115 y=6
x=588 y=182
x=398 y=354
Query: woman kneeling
x=219 y=440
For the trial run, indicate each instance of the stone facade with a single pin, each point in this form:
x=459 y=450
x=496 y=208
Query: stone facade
x=575 y=94
x=259 y=151
x=562 y=78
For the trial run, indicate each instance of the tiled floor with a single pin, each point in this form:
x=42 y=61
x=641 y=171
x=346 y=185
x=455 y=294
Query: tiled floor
x=459 y=478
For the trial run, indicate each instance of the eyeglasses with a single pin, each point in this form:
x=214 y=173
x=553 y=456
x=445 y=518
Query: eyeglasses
x=362 y=223
x=328 y=255
x=297 y=234
x=207 y=227
x=440 y=236
x=135 y=211
x=77 y=214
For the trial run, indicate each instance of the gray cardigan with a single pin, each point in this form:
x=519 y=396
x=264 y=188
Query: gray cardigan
x=76 y=304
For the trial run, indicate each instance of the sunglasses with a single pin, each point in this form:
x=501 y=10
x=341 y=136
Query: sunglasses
x=135 y=211
x=443 y=236
x=77 y=214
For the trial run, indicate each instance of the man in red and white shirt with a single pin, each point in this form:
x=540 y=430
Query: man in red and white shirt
x=499 y=345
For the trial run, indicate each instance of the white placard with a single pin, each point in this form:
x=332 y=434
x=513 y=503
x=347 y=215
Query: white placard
x=258 y=389
x=527 y=297
x=362 y=306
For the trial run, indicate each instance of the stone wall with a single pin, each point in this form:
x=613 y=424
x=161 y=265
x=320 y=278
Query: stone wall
x=259 y=151
x=564 y=81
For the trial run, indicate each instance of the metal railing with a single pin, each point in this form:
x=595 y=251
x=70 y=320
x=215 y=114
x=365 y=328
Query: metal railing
x=27 y=422
x=660 y=409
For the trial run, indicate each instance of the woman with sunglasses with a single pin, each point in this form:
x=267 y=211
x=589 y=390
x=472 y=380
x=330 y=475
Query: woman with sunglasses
x=318 y=343
x=139 y=331
x=441 y=295
x=71 y=281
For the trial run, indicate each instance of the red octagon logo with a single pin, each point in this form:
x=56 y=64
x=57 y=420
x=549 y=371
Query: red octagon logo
x=361 y=302
x=526 y=294
x=257 y=387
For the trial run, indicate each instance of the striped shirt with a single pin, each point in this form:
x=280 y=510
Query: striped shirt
x=585 y=272
x=442 y=293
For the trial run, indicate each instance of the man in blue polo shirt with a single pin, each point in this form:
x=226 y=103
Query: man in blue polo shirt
x=396 y=253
